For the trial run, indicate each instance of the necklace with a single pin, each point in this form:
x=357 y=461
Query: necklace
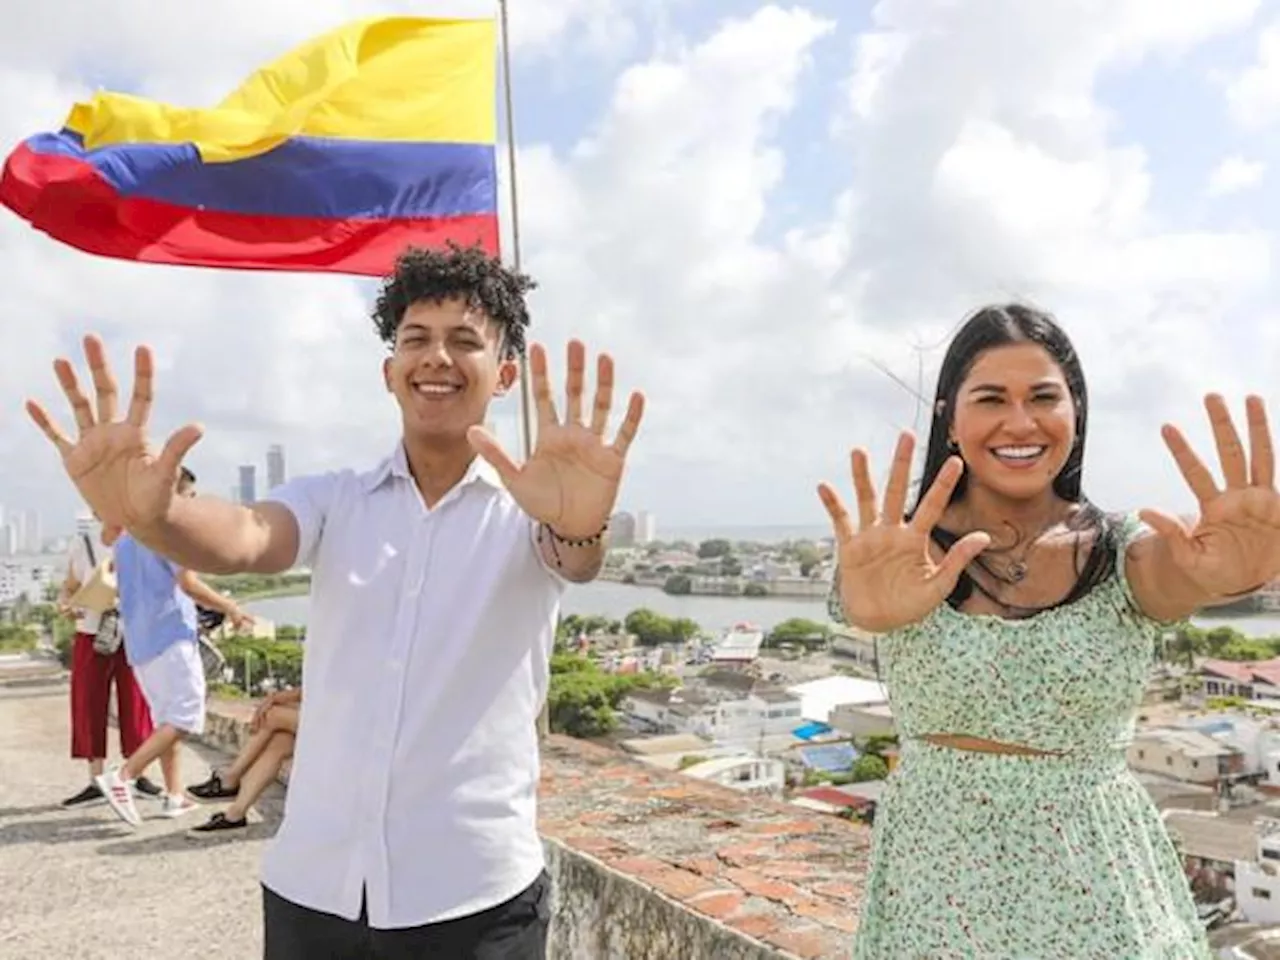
x=1016 y=569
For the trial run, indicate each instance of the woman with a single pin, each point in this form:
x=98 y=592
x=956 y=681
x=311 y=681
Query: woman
x=274 y=728
x=1017 y=626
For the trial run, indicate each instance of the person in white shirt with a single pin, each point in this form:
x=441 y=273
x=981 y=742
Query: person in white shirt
x=93 y=673
x=410 y=826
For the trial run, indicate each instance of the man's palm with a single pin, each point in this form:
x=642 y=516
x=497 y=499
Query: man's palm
x=110 y=461
x=571 y=480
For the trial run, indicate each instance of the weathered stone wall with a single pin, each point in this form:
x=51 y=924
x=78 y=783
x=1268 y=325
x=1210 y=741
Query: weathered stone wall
x=652 y=865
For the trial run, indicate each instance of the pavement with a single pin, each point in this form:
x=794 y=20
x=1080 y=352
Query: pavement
x=82 y=885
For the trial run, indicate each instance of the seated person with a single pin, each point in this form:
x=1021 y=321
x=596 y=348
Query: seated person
x=274 y=726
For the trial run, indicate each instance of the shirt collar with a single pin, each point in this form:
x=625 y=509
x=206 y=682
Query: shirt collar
x=397 y=466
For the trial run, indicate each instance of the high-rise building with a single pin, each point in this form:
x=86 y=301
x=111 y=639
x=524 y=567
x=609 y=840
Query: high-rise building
x=622 y=529
x=33 y=539
x=275 y=466
x=248 y=484
x=646 y=527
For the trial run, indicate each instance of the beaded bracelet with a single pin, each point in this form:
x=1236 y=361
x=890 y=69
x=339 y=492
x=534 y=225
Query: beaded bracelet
x=577 y=541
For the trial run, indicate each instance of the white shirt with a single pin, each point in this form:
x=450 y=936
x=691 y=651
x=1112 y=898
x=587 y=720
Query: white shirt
x=415 y=772
x=80 y=565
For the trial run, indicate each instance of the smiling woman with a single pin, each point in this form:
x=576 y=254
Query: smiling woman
x=1017 y=626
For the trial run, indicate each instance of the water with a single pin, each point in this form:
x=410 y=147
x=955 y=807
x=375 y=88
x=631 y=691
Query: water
x=616 y=600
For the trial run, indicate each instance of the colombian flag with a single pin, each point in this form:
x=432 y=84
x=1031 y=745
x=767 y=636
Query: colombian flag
x=335 y=157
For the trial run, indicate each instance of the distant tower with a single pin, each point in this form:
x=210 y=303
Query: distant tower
x=248 y=484
x=275 y=466
x=646 y=527
x=622 y=530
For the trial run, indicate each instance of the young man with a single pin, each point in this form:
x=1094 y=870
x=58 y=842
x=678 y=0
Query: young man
x=159 y=617
x=92 y=675
x=410 y=827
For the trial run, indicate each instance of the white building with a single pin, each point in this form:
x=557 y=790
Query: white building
x=734 y=719
x=646 y=527
x=820 y=697
x=1257 y=883
x=747 y=774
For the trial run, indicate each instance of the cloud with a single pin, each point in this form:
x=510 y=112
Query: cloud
x=1254 y=94
x=758 y=262
x=1234 y=174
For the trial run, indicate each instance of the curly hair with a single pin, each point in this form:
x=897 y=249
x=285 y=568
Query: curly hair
x=467 y=273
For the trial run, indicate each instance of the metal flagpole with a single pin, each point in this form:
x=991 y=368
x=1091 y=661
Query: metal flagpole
x=526 y=388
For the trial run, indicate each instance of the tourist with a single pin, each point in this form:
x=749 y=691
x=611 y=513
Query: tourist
x=410 y=821
x=1016 y=625
x=94 y=670
x=159 y=617
x=274 y=727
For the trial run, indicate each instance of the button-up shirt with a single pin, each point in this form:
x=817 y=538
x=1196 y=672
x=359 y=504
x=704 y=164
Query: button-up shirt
x=426 y=663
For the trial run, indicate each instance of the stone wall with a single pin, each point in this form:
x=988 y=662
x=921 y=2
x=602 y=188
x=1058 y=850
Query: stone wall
x=651 y=865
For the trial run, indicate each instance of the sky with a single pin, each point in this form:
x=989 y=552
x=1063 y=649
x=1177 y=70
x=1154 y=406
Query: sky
x=771 y=215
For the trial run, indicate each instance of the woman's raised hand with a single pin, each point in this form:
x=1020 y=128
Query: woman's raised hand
x=886 y=575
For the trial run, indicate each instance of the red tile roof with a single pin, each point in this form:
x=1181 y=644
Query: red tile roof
x=837 y=798
x=1245 y=671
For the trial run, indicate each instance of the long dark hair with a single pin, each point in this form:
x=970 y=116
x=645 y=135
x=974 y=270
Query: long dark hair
x=998 y=326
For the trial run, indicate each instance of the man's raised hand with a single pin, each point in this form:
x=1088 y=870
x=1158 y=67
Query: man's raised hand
x=110 y=461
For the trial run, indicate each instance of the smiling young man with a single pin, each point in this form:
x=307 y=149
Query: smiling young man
x=410 y=827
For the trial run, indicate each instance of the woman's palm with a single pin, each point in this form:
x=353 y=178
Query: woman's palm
x=887 y=575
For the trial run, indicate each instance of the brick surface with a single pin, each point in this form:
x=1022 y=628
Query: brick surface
x=772 y=871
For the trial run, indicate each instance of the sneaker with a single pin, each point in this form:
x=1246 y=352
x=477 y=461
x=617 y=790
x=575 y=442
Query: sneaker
x=175 y=807
x=119 y=794
x=218 y=823
x=213 y=789
x=148 y=789
x=87 y=797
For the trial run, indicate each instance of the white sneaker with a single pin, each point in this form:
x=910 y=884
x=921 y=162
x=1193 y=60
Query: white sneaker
x=174 y=807
x=119 y=794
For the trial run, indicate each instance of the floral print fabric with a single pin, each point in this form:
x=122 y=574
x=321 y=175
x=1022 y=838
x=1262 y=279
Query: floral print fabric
x=1005 y=857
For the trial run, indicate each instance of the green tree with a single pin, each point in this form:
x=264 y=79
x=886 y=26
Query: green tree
x=678 y=585
x=714 y=548
x=730 y=566
x=755 y=590
x=583 y=700
x=799 y=630
x=807 y=556
x=652 y=629
x=868 y=767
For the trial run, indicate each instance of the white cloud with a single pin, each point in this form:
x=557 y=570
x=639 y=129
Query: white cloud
x=1234 y=174
x=1254 y=94
x=976 y=159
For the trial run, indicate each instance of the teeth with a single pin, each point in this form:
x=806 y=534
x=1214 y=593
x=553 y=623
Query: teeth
x=439 y=388
x=1019 y=453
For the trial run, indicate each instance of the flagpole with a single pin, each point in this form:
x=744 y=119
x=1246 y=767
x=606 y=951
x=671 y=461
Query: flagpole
x=526 y=388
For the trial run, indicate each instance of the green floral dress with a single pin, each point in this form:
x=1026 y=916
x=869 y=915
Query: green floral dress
x=1006 y=857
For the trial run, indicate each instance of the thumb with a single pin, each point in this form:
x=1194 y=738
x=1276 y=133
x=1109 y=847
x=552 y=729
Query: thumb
x=1174 y=533
x=178 y=446
x=484 y=444
x=962 y=553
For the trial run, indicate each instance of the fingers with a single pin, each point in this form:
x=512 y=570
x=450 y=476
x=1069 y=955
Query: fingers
x=143 y=377
x=104 y=381
x=177 y=447
x=895 y=494
x=50 y=429
x=1262 y=457
x=936 y=499
x=484 y=444
x=80 y=407
x=841 y=523
x=1192 y=468
x=604 y=395
x=962 y=553
x=574 y=380
x=543 y=404
x=1235 y=464
x=630 y=424
x=864 y=489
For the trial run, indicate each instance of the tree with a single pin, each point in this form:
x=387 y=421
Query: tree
x=799 y=630
x=755 y=590
x=652 y=629
x=808 y=556
x=583 y=700
x=678 y=585
x=714 y=548
x=730 y=566
x=868 y=767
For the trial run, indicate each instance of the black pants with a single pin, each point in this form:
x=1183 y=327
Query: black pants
x=515 y=930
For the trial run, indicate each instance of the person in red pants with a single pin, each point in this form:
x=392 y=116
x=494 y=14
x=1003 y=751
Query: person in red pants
x=92 y=676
